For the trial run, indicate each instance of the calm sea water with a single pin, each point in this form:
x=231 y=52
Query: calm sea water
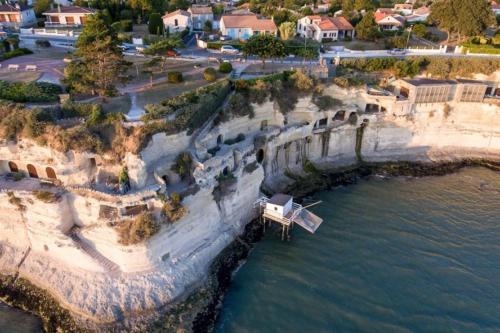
x=16 y=321
x=399 y=255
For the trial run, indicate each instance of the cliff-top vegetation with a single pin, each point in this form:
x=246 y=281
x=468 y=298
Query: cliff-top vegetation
x=437 y=67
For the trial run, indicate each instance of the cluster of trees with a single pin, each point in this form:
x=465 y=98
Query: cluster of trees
x=462 y=17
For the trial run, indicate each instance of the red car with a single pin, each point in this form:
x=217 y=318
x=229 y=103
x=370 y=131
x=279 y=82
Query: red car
x=173 y=53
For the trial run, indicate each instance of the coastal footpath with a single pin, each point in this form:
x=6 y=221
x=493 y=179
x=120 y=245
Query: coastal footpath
x=59 y=224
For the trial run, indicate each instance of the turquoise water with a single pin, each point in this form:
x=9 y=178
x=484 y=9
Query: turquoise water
x=16 y=321
x=398 y=255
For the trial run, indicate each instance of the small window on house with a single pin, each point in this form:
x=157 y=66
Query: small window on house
x=275 y=208
x=176 y=22
x=300 y=26
x=324 y=35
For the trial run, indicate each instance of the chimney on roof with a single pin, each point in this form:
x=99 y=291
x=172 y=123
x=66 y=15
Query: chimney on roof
x=17 y=5
x=59 y=7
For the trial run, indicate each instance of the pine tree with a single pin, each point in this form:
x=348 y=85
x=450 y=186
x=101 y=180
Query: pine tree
x=367 y=28
x=100 y=61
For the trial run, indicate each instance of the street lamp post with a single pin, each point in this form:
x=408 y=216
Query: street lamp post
x=409 y=34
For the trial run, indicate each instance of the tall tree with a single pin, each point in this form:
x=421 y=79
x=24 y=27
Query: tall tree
x=364 y=4
x=287 y=30
x=141 y=5
x=41 y=6
x=155 y=25
x=348 y=8
x=367 y=28
x=100 y=61
x=264 y=46
x=463 y=17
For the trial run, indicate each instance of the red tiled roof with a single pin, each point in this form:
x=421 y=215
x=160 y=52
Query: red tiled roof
x=177 y=12
x=199 y=10
x=70 y=10
x=332 y=23
x=248 y=21
x=379 y=16
x=9 y=8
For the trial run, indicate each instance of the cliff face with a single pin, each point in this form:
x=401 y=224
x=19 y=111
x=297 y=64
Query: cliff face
x=102 y=281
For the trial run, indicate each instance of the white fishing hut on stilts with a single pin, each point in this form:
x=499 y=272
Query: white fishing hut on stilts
x=280 y=208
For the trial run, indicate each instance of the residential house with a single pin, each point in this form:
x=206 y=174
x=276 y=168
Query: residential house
x=15 y=15
x=67 y=16
x=245 y=26
x=418 y=15
x=389 y=22
x=177 y=21
x=200 y=15
x=323 y=28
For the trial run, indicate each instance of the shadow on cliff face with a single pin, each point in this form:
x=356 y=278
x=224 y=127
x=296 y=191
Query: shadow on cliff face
x=381 y=147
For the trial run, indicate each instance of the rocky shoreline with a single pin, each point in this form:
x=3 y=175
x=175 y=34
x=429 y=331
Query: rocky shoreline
x=199 y=311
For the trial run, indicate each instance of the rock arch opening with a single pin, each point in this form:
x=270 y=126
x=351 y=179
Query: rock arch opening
x=32 y=171
x=13 y=167
x=225 y=171
x=219 y=139
x=51 y=174
x=340 y=115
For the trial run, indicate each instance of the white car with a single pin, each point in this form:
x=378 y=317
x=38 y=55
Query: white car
x=398 y=51
x=229 y=49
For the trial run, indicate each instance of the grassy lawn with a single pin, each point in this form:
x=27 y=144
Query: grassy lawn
x=139 y=77
x=165 y=90
x=358 y=45
x=19 y=76
x=117 y=104
x=270 y=68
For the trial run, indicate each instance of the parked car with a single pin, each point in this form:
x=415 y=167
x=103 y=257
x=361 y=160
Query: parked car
x=229 y=49
x=173 y=53
x=398 y=51
x=225 y=37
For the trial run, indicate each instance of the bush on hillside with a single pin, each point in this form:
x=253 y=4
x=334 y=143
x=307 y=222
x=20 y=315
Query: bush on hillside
x=16 y=53
x=138 y=229
x=174 y=77
x=42 y=43
x=29 y=92
x=225 y=67
x=210 y=74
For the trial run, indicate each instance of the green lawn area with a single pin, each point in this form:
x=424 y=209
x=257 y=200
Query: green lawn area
x=270 y=68
x=358 y=45
x=165 y=90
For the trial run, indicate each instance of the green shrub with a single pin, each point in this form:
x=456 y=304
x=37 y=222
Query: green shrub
x=174 y=77
x=183 y=164
x=225 y=67
x=29 y=92
x=137 y=230
x=127 y=25
x=126 y=14
x=16 y=53
x=42 y=43
x=210 y=74
x=116 y=26
x=326 y=102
